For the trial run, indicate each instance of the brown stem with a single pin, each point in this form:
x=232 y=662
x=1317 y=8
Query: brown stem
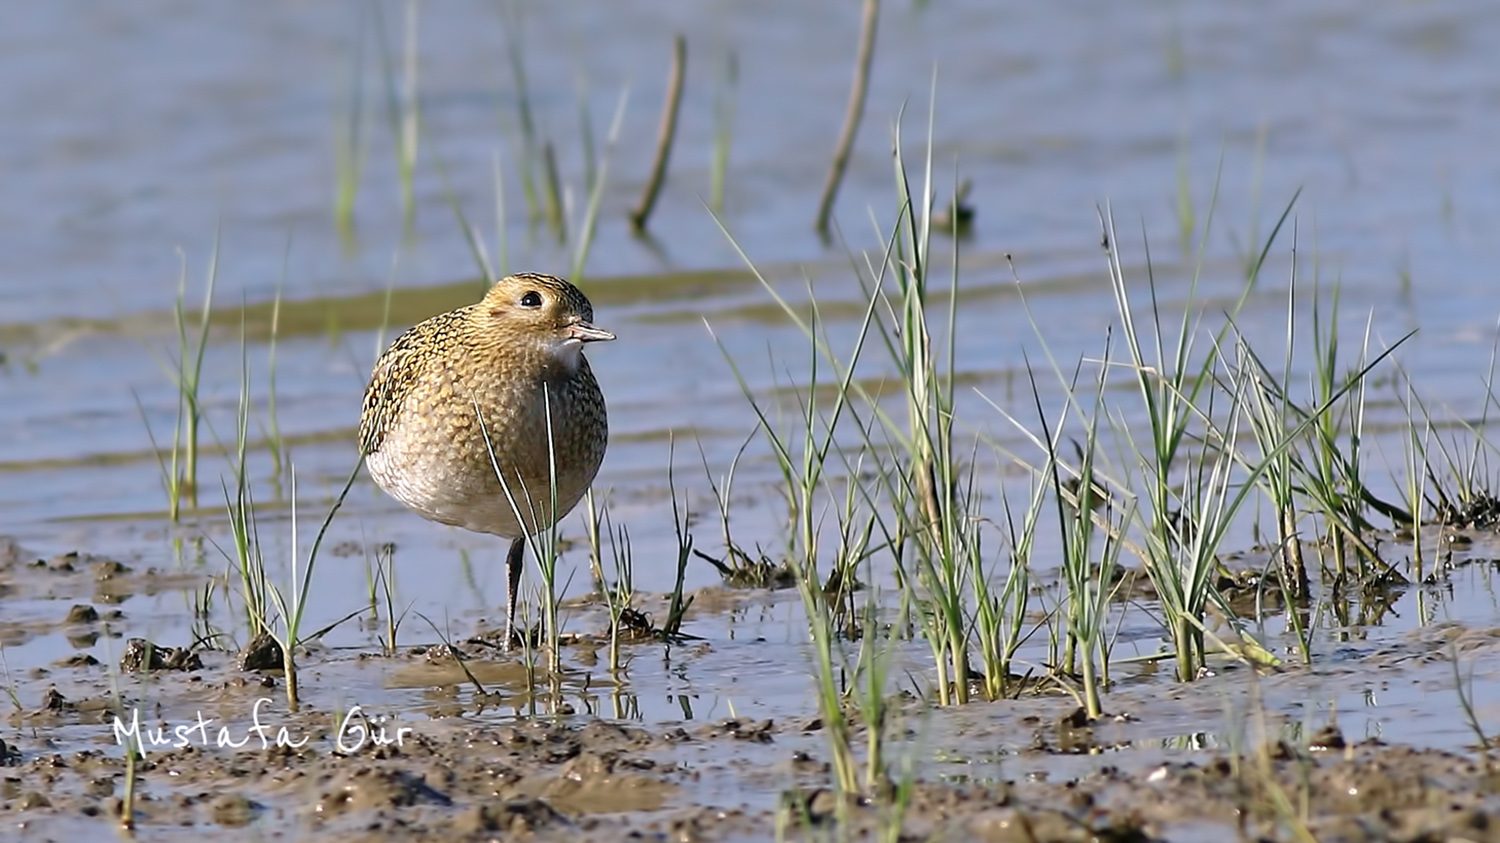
x=664 y=136
x=852 y=115
x=1293 y=567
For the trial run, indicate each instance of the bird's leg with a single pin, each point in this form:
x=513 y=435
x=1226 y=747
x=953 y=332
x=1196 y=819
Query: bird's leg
x=513 y=562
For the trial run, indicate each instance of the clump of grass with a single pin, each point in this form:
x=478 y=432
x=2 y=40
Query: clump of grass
x=933 y=499
x=202 y=629
x=926 y=504
x=680 y=602
x=1181 y=529
x=293 y=607
x=802 y=455
x=349 y=145
x=10 y=683
x=402 y=108
x=595 y=179
x=543 y=543
x=1091 y=586
x=556 y=204
x=1271 y=419
x=383 y=583
x=594 y=182
x=594 y=517
x=181 y=476
x=999 y=618
x=621 y=594
x=737 y=567
x=1332 y=474
x=1220 y=425
x=1415 y=450
x=249 y=565
x=724 y=102
x=1187 y=218
x=272 y=429
x=134 y=750
x=1471 y=717
x=258 y=591
x=530 y=152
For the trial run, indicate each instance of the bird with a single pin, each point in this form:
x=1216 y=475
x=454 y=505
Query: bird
x=471 y=414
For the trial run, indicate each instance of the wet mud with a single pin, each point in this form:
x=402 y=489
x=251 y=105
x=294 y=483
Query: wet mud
x=220 y=750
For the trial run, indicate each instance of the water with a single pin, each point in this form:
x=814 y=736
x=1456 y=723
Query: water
x=139 y=137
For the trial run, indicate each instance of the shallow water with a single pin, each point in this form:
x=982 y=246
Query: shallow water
x=138 y=135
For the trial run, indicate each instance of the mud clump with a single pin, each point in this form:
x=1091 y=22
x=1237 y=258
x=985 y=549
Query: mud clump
x=1479 y=512
x=604 y=780
x=105 y=570
x=82 y=613
x=262 y=653
x=516 y=817
x=11 y=553
x=761 y=731
x=234 y=810
x=371 y=788
x=54 y=701
x=142 y=656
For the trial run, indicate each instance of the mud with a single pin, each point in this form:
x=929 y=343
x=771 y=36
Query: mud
x=526 y=756
x=601 y=780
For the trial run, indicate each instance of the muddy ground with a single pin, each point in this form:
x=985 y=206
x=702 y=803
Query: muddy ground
x=224 y=755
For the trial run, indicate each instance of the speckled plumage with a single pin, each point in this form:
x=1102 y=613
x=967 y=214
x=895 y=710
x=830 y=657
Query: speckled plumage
x=460 y=400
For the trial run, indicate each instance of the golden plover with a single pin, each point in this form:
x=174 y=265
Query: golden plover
x=456 y=423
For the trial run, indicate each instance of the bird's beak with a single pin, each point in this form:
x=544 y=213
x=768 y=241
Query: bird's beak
x=586 y=332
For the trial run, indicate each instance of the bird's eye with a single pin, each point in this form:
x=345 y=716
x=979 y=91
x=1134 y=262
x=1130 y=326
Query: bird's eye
x=531 y=299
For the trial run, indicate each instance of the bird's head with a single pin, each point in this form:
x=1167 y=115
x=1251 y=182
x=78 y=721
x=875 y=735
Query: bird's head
x=540 y=313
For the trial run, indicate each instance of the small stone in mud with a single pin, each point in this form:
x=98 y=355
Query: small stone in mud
x=823 y=805
x=761 y=731
x=1074 y=732
x=141 y=655
x=636 y=626
x=442 y=653
x=82 y=613
x=1328 y=737
x=374 y=788
x=1078 y=718
x=62 y=563
x=78 y=660
x=517 y=816
x=805 y=761
x=10 y=552
x=53 y=700
x=262 y=653
x=32 y=800
x=233 y=809
x=108 y=569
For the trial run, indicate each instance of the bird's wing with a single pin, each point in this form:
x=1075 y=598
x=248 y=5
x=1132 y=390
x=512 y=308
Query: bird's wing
x=396 y=373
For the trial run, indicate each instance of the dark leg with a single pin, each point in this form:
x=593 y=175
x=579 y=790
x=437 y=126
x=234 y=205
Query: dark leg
x=513 y=562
